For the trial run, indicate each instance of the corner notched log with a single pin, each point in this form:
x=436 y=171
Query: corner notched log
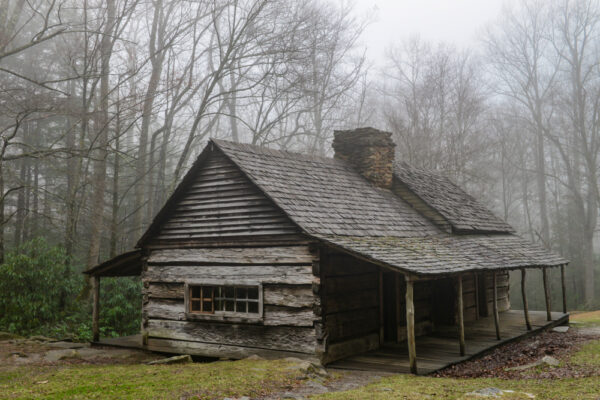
x=461 y=319
x=524 y=293
x=410 y=326
x=495 y=307
x=547 y=294
x=95 y=308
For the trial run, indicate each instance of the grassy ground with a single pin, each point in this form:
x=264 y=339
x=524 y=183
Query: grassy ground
x=195 y=381
x=410 y=387
x=586 y=318
x=258 y=379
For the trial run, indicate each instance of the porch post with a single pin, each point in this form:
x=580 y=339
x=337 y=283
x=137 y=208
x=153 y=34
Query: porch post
x=381 y=327
x=564 y=288
x=95 y=308
x=410 y=326
x=495 y=307
x=461 y=319
x=524 y=293
x=547 y=294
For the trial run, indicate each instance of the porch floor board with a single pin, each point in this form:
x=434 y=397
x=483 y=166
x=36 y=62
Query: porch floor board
x=440 y=349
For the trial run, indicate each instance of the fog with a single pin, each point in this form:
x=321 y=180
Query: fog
x=104 y=105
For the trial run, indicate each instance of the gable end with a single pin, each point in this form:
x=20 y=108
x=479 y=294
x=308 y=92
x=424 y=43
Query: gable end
x=215 y=201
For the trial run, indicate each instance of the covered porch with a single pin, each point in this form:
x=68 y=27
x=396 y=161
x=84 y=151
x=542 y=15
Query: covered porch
x=441 y=348
x=126 y=264
x=410 y=342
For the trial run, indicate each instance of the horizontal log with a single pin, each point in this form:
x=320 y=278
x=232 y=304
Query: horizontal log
x=351 y=301
x=219 y=350
x=421 y=328
x=165 y=290
x=288 y=316
x=343 y=265
x=291 y=296
x=345 y=284
x=265 y=337
x=165 y=309
x=351 y=347
x=276 y=274
x=470 y=314
x=349 y=324
x=272 y=315
x=241 y=255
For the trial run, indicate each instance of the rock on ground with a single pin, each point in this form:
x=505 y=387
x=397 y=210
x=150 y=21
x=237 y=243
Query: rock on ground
x=172 y=360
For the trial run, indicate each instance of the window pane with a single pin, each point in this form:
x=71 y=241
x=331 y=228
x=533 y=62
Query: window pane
x=253 y=307
x=207 y=291
x=195 y=305
x=196 y=292
x=229 y=292
x=253 y=293
x=229 y=305
x=240 y=293
x=218 y=305
x=207 y=306
x=240 y=306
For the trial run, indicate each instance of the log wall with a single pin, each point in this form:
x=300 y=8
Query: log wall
x=470 y=296
x=503 y=291
x=287 y=324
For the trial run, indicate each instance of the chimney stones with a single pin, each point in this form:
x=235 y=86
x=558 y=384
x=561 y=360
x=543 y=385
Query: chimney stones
x=370 y=151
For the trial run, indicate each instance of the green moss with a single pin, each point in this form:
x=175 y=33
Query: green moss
x=410 y=387
x=588 y=355
x=591 y=318
x=197 y=381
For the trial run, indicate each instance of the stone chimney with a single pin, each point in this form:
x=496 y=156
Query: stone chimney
x=370 y=151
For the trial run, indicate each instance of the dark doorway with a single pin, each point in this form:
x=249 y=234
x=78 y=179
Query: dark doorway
x=390 y=304
x=444 y=301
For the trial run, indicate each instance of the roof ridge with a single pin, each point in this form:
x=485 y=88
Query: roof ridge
x=260 y=149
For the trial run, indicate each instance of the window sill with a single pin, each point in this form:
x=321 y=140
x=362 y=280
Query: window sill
x=257 y=319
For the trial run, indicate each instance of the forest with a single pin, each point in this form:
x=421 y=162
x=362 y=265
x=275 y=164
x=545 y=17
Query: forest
x=104 y=104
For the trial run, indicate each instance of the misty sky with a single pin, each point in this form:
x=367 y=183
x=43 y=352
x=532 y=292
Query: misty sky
x=454 y=21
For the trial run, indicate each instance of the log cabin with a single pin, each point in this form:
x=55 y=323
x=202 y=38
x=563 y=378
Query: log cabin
x=268 y=252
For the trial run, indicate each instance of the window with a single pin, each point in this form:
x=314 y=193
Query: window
x=241 y=300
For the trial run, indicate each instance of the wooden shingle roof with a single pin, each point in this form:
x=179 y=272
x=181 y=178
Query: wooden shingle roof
x=460 y=209
x=326 y=196
x=330 y=201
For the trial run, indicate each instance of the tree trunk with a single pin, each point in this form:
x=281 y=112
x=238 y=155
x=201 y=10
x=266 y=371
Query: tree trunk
x=101 y=126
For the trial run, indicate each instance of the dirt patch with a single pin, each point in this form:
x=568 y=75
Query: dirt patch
x=19 y=352
x=499 y=362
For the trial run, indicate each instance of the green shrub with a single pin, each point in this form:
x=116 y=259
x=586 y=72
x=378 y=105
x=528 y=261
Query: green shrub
x=32 y=284
x=40 y=294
